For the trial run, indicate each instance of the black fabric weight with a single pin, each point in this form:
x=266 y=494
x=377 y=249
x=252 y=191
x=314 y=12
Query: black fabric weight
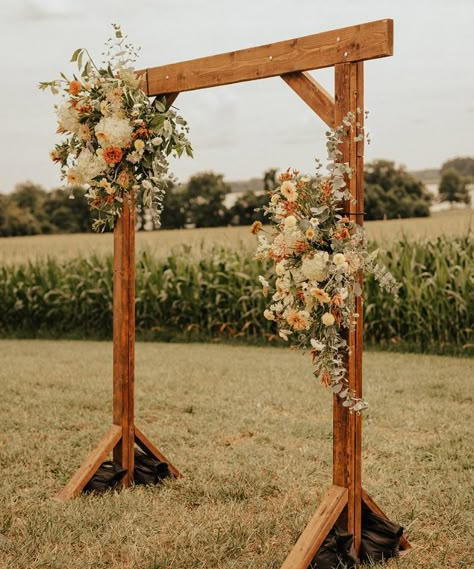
x=108 y=476
x=336 y=552
x=380 y=538
x=148 y=469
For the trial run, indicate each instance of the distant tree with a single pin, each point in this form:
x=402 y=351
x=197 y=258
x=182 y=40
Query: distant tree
x=204 y=200
x=14 y=220
x=464 y=166
x=30 y=198
x=243 y=211
x=69 y=215
x=391 y=192
x=173 y=215
x=453 y=187
x=270 y=180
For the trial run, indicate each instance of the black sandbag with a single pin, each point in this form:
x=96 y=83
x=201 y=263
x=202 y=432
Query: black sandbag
x=148 y=469
x=380 y=538
x=108 y=476
x=336 y=552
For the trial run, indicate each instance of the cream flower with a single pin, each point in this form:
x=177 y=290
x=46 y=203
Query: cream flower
x=288 y=189
x=290 y=222
x=310 y=233
x=113 y=131
x=315 y=268
x=280 y=268
x=68 y=118
x=89 y=165
x=338 y=259
x=139 y=145
x=328 y=319
x=268 y=314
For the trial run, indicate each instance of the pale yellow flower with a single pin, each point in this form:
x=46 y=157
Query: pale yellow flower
x=139 y=145
x=268 y=314
x=288 y=189
x=310 y=233
x=320 y=295
x=328 y=319
x=290 y=222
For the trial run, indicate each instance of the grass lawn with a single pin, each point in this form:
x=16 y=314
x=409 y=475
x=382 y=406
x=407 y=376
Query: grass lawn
x=19 y=249
x=252 y=432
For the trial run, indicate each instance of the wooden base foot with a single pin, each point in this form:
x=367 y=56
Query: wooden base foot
x=107 y=444
x=321 y=524
x=316 y=531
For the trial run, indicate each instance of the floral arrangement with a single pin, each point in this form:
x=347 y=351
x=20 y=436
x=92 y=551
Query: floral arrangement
x=318 y=256
x=118 y=140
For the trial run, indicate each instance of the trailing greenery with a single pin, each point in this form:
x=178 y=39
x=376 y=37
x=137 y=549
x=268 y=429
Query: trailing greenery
x=218 y=296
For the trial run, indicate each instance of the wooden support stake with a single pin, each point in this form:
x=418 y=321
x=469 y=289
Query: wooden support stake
x=405 y=545
x=88 y=468
x=147 y=446
x=316 y=531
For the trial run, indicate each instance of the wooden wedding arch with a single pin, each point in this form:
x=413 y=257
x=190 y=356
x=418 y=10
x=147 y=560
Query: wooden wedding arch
x=345 y=49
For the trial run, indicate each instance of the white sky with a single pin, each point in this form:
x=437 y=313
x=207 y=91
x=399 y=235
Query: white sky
x=421 y=101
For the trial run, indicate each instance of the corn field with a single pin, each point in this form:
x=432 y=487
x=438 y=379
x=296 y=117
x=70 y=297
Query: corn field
x=217 y=296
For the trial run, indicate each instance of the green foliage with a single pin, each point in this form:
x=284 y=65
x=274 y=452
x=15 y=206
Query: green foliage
x=218 y=296
x=464 y=166
x=391 y=192
x=204 y=196
x=453 y=187
x=243 y=211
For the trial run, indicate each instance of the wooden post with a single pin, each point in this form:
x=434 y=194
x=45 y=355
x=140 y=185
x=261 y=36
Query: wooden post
x=124 y=337
x=347 y=427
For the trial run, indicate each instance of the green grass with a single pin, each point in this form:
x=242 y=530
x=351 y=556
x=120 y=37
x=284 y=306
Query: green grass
x=251 y=431
x=20 y=249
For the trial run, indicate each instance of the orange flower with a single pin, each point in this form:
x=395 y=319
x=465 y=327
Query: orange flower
x=55 y=157
x=341 y=234
x=326 y=190
x=123 y=179
x=301 y=246
x=74 y=88
x=112 y=155
x=326 y=379
x=337 y=300
x=285 y=176
x=256 y=226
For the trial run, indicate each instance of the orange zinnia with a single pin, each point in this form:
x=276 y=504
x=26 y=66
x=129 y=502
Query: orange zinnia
x=112 y=155
x=74 y=88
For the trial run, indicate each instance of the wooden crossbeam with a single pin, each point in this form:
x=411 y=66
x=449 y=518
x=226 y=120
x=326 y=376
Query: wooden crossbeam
x=313 y=94
x=354 y=43
x=316 y=531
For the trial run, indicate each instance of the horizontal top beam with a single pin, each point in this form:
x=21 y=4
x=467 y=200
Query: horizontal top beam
x=355 y=43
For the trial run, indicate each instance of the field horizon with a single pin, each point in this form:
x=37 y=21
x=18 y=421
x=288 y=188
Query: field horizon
x=62 y=246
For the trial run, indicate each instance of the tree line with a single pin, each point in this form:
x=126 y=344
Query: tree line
x=390 y=192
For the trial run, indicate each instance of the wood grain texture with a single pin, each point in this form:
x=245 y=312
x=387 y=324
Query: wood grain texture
x=90 y=465
x=317 y=529
x=147 y=446
x=313 y=94
x=354 y=43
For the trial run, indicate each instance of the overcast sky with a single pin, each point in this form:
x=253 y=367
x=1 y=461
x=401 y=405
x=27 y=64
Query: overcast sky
x=421 y=100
